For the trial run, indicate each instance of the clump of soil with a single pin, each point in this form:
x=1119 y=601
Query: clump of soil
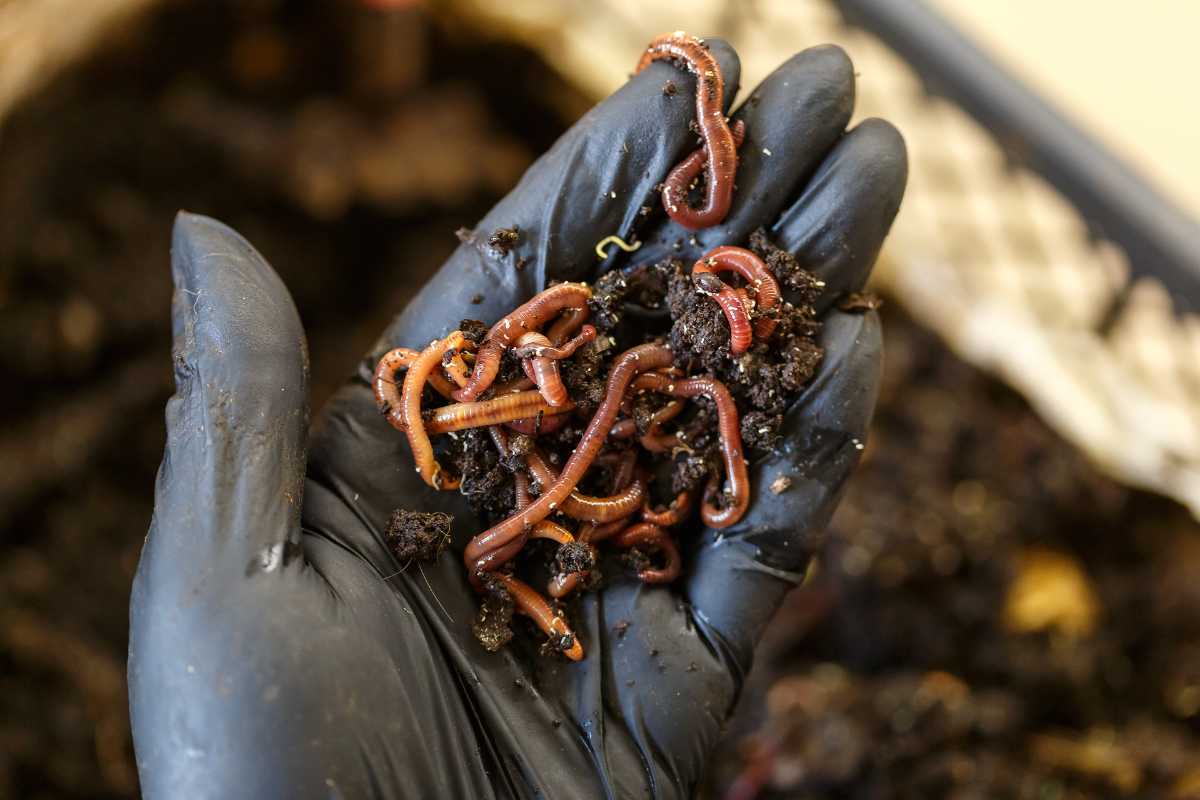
x=763 y=381
x=503 y=240
x=418 y=536
x=492 y=626
x=575 y=557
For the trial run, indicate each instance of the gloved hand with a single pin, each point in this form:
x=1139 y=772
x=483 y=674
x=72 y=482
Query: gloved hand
x=277 y=648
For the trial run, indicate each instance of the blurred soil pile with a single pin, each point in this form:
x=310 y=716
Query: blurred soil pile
x=992 y=617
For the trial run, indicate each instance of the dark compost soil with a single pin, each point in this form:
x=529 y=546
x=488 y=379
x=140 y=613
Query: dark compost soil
x=907 y=668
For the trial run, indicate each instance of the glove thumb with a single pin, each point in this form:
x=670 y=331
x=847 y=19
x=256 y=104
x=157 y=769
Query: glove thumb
x=231 y=481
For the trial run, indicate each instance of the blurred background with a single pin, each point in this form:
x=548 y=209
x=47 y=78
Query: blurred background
x=1010 y=602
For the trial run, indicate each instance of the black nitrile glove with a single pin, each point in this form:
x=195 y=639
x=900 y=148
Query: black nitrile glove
x=277 y=649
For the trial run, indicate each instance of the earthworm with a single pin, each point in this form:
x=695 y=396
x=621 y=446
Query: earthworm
x=731 y=442
x=535 y=348
x=536 y=425
x=563 y=584
x=529 y=316
x=626 y=428
x=623 y=429
x=672 y=515
x=506 y=408
x=542 y=369
x=741 y=333
x=759 y=280
x=645 y=534
x=586 y=507
x=387 y=390
x=568 y=324
x=521 y=497
x=720 y=150
x=410 y=410
x=534 y=606
x=552 y=531
x=455 y=366
x=515 y=385
x=679 y=181
x=493 y=560
x=625 y=368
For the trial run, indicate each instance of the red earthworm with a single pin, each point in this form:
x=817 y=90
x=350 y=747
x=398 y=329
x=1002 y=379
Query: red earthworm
x=521 y=490
x=660 y=443
x=586 y=507
x=679 y=181
x=624 y=369
x=759 y=280
x=510 y=387
x=534 y=606
x=609 y=529
x=566 y=325
x=529 y=316
x=623 y=429
x=731 y=442
x=506 y=408
x=495 y=559
x=387 y=390
x=536 y=425
x=622 y=475
x=741 y=333
x=454 y=365
x=719 y=151
x=552 y=531
x=541 y=347
x=541 y=369
x=672 y=515
x=410 y=411
x=645 y=534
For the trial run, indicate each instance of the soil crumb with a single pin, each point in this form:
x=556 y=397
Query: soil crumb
x=493 y=624
x=503 y=240
x=860 y=301
x=417 y=535
x=575 y=557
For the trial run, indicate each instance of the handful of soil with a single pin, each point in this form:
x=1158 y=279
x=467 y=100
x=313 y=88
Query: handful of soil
x=635 y=411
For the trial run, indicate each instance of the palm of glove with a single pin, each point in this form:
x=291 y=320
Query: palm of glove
x=278 y=649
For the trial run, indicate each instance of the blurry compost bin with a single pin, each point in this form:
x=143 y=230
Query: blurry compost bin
x=1080 y=293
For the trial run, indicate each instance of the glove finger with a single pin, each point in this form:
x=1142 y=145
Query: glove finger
x=590 y=184
x=792 y=120
x=837 y=225
x=229 y=489
x=740 y=576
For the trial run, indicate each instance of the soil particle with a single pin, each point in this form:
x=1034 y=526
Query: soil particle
x=503 y=240
x=416 y=535
x=760 y=431
x=486 y=483
x=575 y=557
x=670 y=89
x=585 y=375
x=860 y=301
x=621 y=627
x=493 y=624
x=781 y=484
x=476 y=299
x=474 y=329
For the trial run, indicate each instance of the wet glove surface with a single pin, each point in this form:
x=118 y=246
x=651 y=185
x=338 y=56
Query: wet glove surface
x=278 y=650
